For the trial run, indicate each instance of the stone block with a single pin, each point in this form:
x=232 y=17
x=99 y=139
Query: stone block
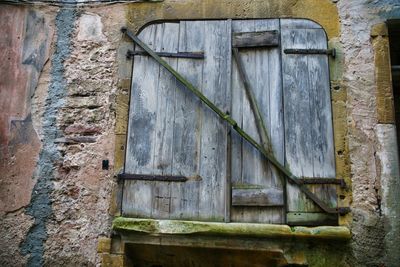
x=120 y=144
x=121 y=113
x=379 y=30
x=90 y=28
x=111 y=260
x=104 y=245
x=383 y=79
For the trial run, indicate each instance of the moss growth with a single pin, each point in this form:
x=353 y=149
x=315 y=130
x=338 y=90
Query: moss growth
x=176 y=227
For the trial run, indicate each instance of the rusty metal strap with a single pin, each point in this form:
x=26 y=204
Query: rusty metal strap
x=329 y=52
x=152 y=177
x=291 y=177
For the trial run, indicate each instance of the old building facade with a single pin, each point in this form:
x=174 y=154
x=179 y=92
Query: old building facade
x=70 y=132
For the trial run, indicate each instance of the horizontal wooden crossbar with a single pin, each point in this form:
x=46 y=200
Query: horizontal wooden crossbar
x=311 y=181
x=255 y=39
x=257 y=197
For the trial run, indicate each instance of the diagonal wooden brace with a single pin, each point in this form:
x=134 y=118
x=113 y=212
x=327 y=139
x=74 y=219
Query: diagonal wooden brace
x=291 y=177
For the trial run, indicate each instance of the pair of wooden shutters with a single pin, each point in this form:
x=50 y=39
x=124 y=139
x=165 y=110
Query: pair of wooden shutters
x=172 y=134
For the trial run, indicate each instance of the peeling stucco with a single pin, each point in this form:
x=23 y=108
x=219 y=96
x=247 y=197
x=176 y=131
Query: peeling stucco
x=40 y=207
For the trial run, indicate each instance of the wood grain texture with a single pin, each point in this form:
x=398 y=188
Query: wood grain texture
x=213 y=158
x=257 y=197
x=163 y=138
x=255 y=39
x=137 y=196
x=187 y=123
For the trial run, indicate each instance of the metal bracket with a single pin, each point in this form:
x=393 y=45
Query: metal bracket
x=329 y=52
x=343 y=210
x=194 y=55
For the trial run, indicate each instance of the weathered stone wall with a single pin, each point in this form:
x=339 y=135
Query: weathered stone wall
x=63 y=103
x=364 y=131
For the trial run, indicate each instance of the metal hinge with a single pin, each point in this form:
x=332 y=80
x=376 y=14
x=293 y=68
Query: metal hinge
x=151 y=177
x=329 y=52
x=194 y=55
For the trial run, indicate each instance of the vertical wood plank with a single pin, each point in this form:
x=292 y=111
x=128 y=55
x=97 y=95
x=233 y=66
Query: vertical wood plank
x=263 y=70
x=269 y=94
x=298 y=143
x=228 y=183
x=237 y=114
x=187 y=121
x=213 y=159
x=163 y=138
x=321 y=117
x=141 y=129
x=238 y=109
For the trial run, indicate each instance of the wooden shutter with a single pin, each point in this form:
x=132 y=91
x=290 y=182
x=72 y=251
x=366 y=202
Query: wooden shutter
x=171 y=133
x=309 y=148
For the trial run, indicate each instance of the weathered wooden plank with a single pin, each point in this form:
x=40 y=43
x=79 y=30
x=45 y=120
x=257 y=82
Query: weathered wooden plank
x=321 y=117
x=251 y=167
x=311 y=218
x=213 y=157
x=254 y=169
x=249 y=214
x=257 y=197
x=255 y=39
x=186 y=137
x=296 y=115
x=163 y=147
x=142 y=113
x=269 y=95
x=236 y=111
x=137 y=197
x=228 y=182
